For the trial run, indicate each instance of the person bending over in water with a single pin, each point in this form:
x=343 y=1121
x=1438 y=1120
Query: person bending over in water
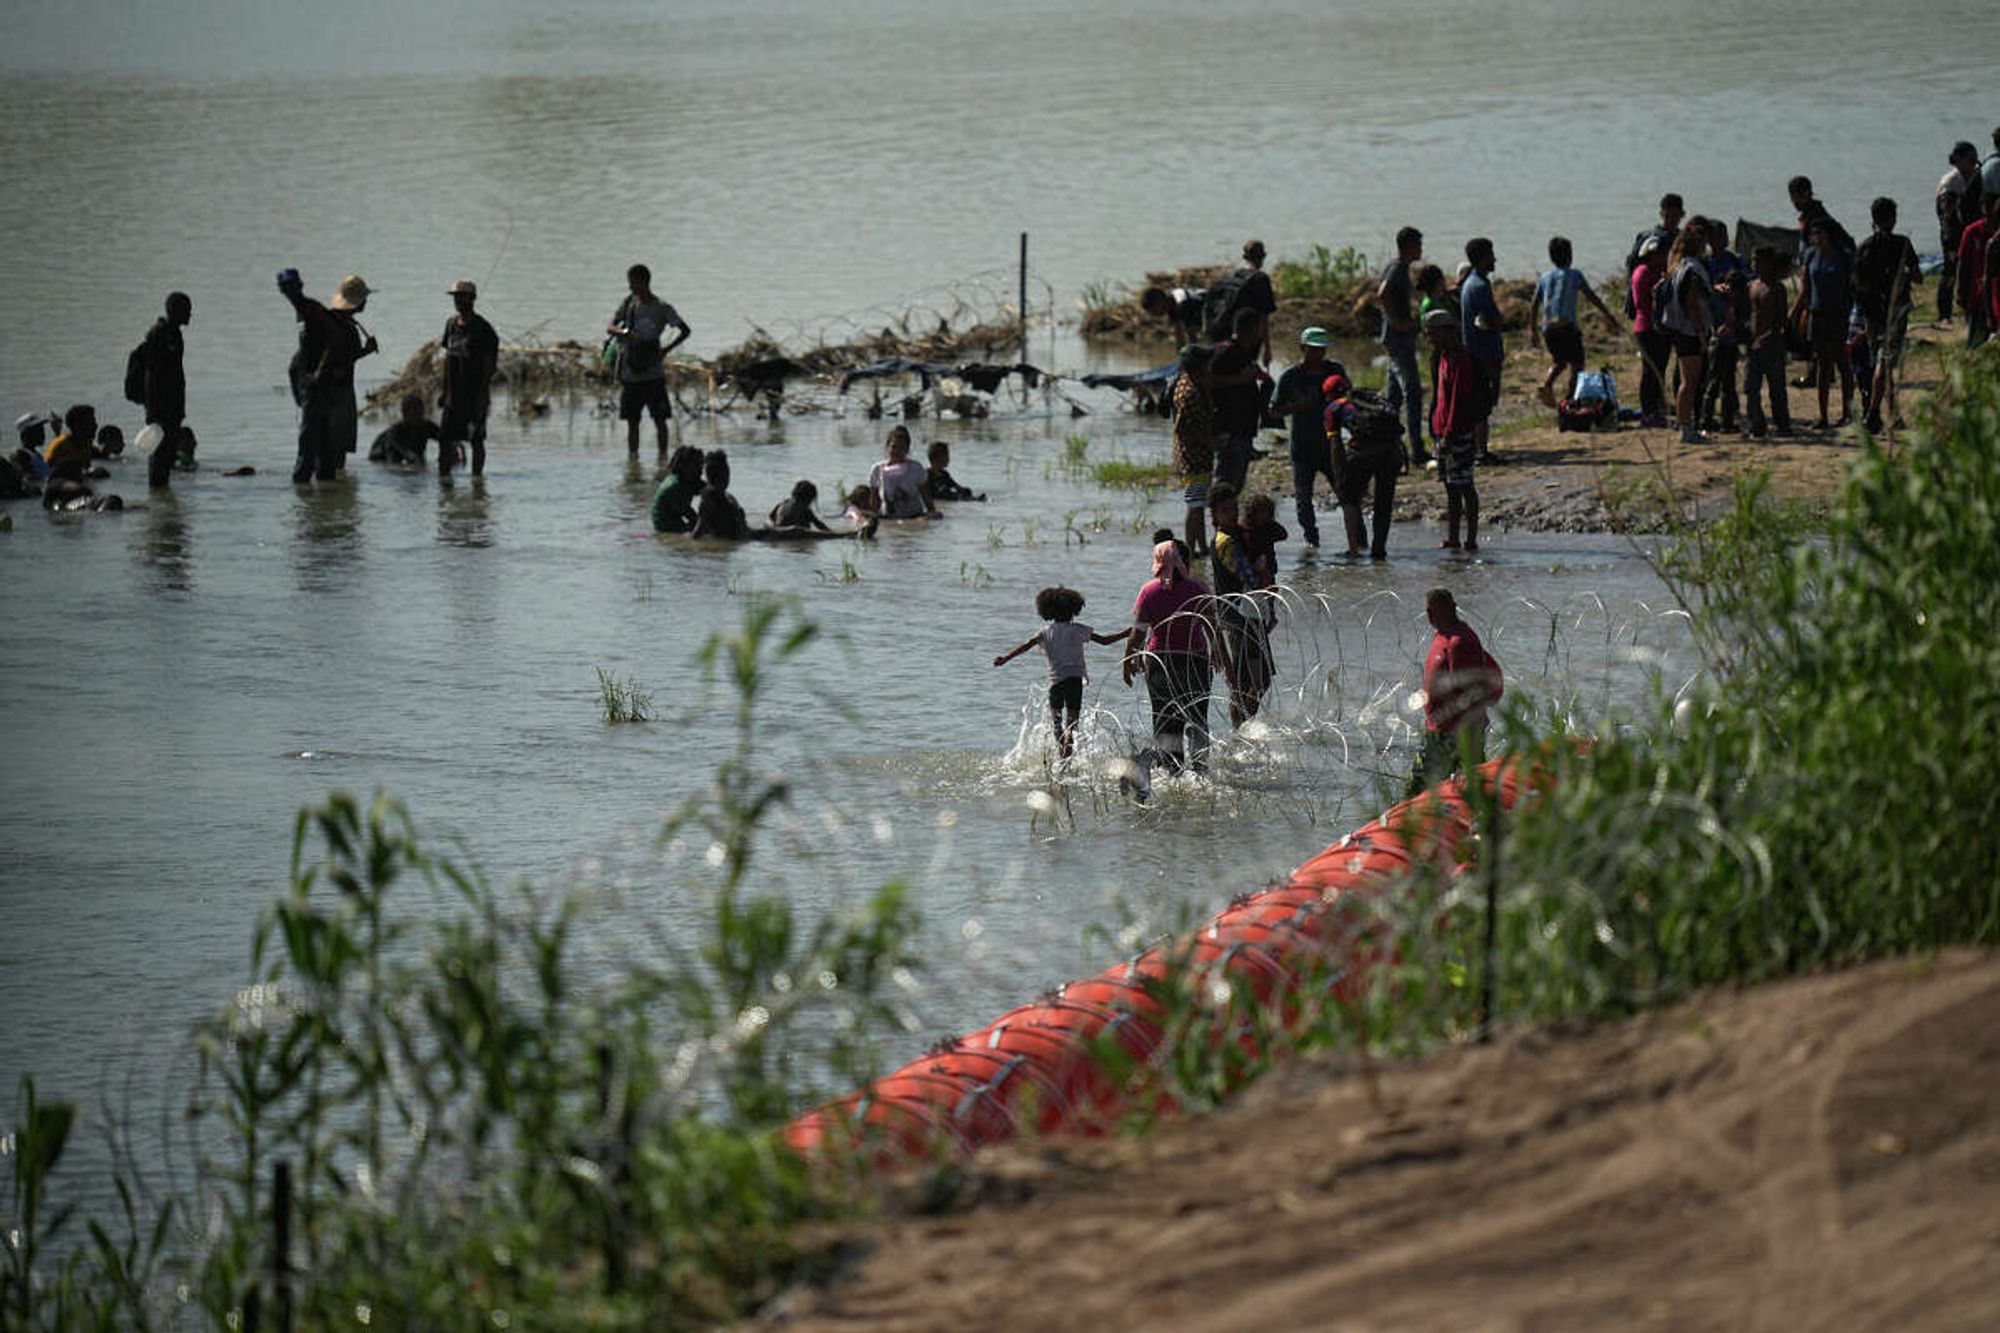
x=943 y=485
x=1062 y=640
x=900 y=484
x=673 y=502
x=404 y=442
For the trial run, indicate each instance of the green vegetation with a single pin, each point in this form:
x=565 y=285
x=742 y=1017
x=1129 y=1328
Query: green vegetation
x=1829 y=793
x=1322 y=272
x=457 y=1121
x=1102 y=295
x=623 y=700
x=1133 y=475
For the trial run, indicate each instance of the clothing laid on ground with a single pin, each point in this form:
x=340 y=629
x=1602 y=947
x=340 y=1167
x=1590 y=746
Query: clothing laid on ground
x=900 y=486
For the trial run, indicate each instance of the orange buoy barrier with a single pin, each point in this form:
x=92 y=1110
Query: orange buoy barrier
x=1037 y=1069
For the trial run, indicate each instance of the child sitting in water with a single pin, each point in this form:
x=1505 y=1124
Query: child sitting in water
x=796 y=511
x=860 y=506
x=404 y=442
x=943 y=486
x=1062 y=639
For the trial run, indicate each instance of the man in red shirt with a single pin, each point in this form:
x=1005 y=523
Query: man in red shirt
x=1461 y=681
x=1972 y=245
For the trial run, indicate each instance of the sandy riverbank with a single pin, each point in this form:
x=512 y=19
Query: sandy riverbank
x=1553 y=481
x=1817 y=1154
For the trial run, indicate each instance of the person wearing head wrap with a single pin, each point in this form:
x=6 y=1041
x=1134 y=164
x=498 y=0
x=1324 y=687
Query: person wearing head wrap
x=1173 y=642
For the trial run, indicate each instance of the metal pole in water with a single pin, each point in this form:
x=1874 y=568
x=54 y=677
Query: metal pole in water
x=281 y=1247
x=1024 y=294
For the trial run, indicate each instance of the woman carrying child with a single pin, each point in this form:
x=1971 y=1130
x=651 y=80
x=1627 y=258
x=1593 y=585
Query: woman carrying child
x=1062 y=640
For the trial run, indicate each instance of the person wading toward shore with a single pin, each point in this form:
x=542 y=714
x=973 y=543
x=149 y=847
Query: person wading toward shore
x=1174 y=644
x=1399 y=337
x=166 y=387
x=1194 y=439
x=1301 y=397
x=471 y=356
x=1461 y=683
x=1235 y=387
x=638 y=325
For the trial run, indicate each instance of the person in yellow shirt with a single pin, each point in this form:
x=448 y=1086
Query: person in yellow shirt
x=68 y=454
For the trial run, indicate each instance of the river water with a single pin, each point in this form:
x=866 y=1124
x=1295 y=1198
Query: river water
x=188 y=674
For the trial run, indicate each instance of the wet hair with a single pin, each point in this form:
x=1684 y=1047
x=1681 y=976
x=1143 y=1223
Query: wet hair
x=894 y=431
x=1799 y=185
x=1561 y=251
x=639 y=273
x=1882 y=212
x=1427 y=277
x=178 y=299
x=1155 y=301
x=74 y=419
x=715 y=469
x=111 y=440
x=1963 y=148
x=937 y=449
x=1407 y=236
x=1477 y=246
x=34 y=432
x=1440 y=597
x=1221 y=493
x=1671 y=202
x=685 y=462
x=1246 y=320
x=858 y=496
x=1260 y=501
x=805 y=492
x=1162 y=535
x=413 y=407
x=1058 y=604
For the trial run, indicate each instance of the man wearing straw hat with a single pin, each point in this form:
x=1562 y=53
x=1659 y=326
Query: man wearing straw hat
x=471 y=355
x=331 y=340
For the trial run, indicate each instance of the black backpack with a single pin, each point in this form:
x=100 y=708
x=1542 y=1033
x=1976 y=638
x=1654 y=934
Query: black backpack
x=1372 y=422
x=135 y=375
x=1220 y=302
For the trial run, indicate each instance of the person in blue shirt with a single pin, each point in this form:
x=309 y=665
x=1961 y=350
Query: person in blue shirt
x=1479 y=316
x=1552 y=321
x=1826 y=293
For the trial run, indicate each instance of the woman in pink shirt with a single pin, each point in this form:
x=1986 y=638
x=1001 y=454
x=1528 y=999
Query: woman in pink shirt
x=1656 y=345
x=1173 y=641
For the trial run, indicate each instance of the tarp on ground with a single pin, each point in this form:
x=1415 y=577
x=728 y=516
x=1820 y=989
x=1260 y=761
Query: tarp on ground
x=979 y=375
x=1159 y=377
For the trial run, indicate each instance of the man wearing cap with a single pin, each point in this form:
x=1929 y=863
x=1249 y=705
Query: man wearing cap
x=1300 y=395
x=1399 y=335
x=640 y=321
x=166 y=387
x=330 y=342
x=471 y=356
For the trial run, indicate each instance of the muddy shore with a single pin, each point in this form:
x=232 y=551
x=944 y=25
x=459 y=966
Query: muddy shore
x=1815 y=1154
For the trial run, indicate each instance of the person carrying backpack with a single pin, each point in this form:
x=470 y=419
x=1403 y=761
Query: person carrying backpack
x=1368 y=450
x=1248 y=288
x=161 y=387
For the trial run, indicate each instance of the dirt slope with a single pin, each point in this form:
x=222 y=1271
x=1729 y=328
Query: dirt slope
x=1820 y=1154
